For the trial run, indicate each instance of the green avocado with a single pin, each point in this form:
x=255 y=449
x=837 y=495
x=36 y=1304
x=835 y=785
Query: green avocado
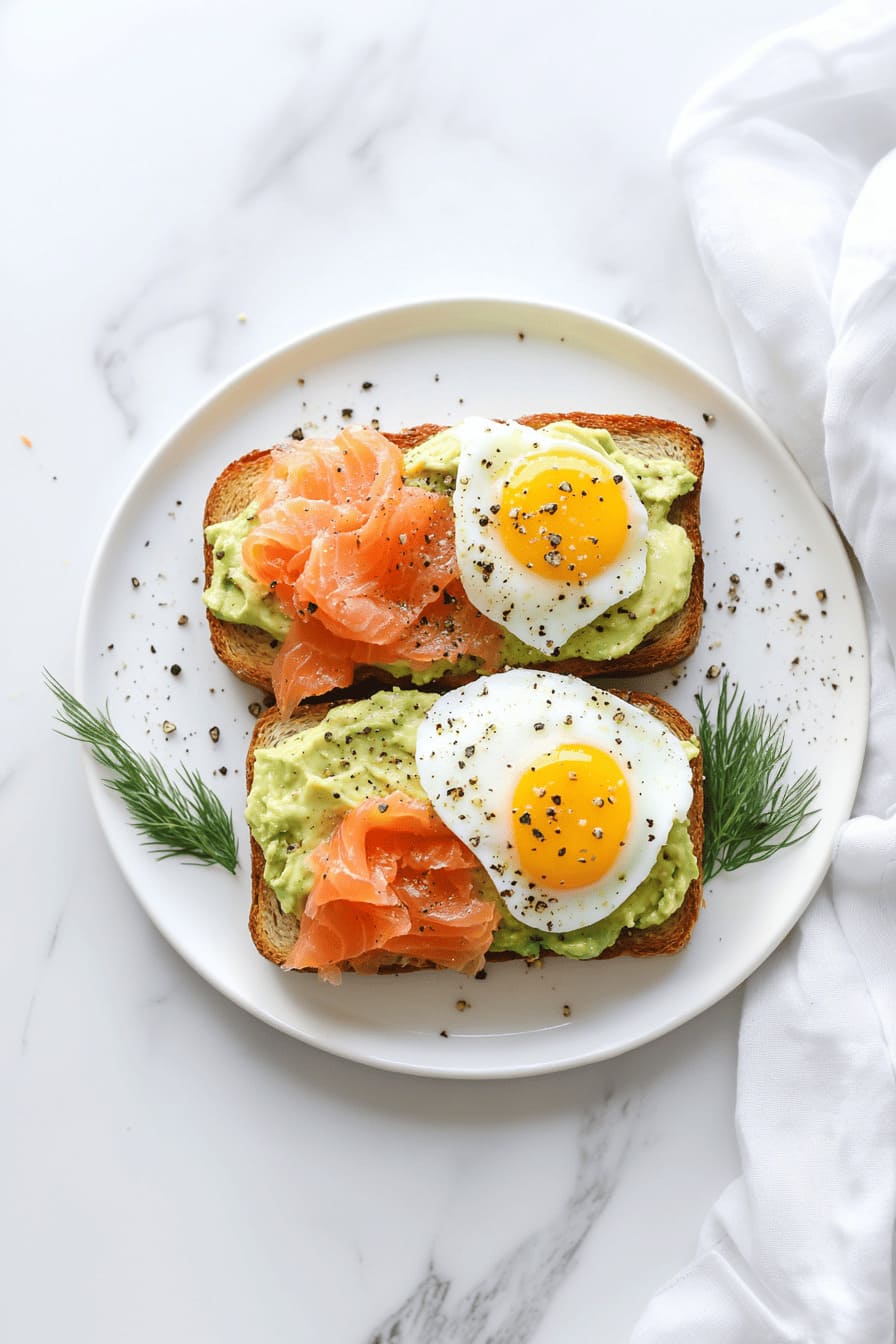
x=234 y=596
x=302 y=786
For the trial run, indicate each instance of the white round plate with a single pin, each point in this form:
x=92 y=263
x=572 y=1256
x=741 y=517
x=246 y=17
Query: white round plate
x=438 y=361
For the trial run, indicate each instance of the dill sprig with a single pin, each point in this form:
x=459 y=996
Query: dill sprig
x=750 y=812
x=182 y=819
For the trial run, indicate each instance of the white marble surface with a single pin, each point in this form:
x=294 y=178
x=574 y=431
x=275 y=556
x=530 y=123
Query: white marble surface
x=179 y=1170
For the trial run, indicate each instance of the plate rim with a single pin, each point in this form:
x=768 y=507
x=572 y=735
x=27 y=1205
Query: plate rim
x=457 y=303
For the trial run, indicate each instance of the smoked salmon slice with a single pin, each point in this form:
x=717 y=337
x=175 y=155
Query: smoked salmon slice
x=392 y=882
x=365 y=565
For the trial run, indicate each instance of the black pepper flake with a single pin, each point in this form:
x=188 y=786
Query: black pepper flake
x=298 y=434
x=255 y=709
x=135 y=583
x=779 y=568
x=214 y=733
x=565 y=487
x=347 y=412
x=712 y=672
x=709 y=418
x=553 y=558
x=182 y=620
x=822 y=594
x=175 y=669
x=366 y=385
x=382 y=807
x=617 y=480
x=525 y=819
x=538 y=727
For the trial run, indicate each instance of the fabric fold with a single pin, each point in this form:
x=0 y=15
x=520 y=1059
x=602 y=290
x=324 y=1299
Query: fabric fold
x=788 y=165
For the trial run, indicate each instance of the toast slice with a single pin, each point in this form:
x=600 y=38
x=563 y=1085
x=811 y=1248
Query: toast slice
x=249 y=652
x=274 y=932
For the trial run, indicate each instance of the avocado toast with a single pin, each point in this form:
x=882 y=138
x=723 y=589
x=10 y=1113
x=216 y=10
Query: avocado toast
x=365 y=749
x=654 y=628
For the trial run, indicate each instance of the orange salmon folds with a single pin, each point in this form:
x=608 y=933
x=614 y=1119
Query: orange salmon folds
x=392 y=883
x=363 y=563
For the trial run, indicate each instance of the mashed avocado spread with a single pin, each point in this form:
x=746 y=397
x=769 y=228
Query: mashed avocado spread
x=303 y=785
x=234 y=596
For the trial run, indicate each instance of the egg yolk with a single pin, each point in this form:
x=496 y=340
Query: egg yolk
x=571 y=814
x=563 y=515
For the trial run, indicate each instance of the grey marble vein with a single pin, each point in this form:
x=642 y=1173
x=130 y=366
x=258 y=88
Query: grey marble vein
x=510 y=1300
x=137 y=324
x=48 y=955
x=343 y=103
x=372 y=88
x=307 y=115
x=114 y=369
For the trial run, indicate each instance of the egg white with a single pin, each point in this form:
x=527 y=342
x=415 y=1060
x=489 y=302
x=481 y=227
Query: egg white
x=475 y=742
x=544 y=612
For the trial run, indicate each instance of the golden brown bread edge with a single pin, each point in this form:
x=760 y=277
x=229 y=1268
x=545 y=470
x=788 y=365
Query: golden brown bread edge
x=249 y=652
x=275 y=932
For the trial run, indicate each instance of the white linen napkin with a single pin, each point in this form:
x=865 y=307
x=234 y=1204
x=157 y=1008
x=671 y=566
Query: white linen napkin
x=789 y=169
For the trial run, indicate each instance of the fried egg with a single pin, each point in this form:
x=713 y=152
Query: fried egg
x=566 y=794
x=549 y=531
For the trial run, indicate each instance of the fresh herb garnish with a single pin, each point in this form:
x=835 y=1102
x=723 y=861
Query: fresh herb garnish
x=750 y=812
x=176 y=820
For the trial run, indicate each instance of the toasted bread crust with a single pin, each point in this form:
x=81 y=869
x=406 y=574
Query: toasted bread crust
x=275 y=932
x=249 y=652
